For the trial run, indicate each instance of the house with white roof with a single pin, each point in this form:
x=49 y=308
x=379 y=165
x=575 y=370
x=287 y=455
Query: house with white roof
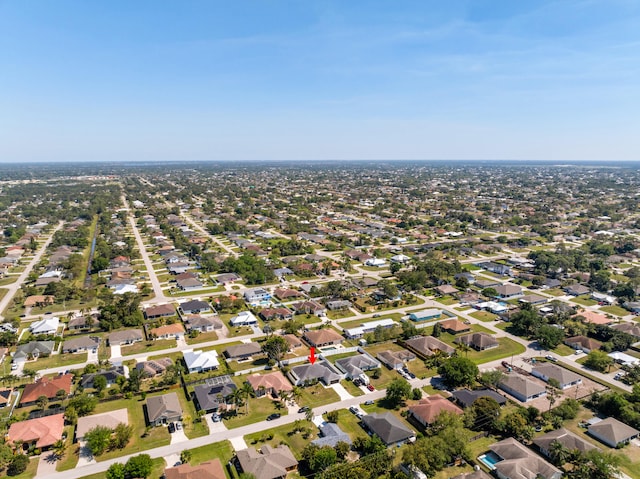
x=200 y=361
x=370 y=327
x=244 y=318
x=45 y=326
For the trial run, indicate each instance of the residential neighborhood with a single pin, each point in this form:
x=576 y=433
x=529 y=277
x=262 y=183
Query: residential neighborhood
x=276 y=328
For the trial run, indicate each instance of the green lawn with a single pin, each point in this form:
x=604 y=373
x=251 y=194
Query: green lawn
x=563 y=350
x=386 y=376
x=447 y=300
x=222 y=450
x=148 y=346
x=340 y=314
x=507 y=348
x=418 y=368
x=259 y=409
x=8 y=280
x=317 y=395
x=350 y=424
x=283 y=434
x=202 y=338
x=615 y=310
x=554 y=292
x=70 y=459
x=57 y=360
x=484 y=316
x=3 y=293
x=140 y=441
x=584 y=301
x=351 y=388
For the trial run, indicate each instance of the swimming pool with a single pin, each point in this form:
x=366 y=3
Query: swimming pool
x=490 y=460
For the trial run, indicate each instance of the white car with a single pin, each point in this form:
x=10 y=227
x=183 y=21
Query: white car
x=14 y=366
x=578 y=351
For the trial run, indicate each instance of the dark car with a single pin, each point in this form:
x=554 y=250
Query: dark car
x=172 y=428
x=273 y=416
x=304 y=409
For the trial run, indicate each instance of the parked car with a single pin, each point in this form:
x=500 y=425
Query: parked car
x=179 y=426
x=14 y=366
x=551 y=358
x=370 y=387
x=216 y=418
x=172 y=428
x=369 y=402
x=304 y=409
x=273 y=416
x=578 y=351
x=353 y=410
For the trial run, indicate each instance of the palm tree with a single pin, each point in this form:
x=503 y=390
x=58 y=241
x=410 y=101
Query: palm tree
x=247 y=392
x=59 y=448
x=463 y=347
x=558 y=453
x=236 y=398
x=296 y=393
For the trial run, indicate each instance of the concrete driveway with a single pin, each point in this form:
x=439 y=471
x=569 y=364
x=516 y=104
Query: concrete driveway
x=178 y=436
x=342 y=392
x=46 y=464
x=116 y=352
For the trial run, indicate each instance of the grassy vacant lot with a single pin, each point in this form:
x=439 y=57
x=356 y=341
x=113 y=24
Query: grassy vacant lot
x=340 y=314
x=148 y=346
x=351 y=388
x=386 y=376
x=507 y=348
x=554 y=292
x=350 y=424
x=484 y=316
x=615 y=310
x=202 y=338
x=563 y=350
x=259 y=409
x=447 y=300
x=222 y=450
x=140 y=440
x=317 y=395
x=283 y=434
x=57 y=360
x=584 y=301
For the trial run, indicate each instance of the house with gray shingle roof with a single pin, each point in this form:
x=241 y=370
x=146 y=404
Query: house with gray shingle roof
x=388 y=428
x=268 y=463
x=519 y=462
x=612 y=432
x=568 y=439
x=163 y=409
x=521 y=388
x=322 y=370
x=565 y=378
x=330 y=435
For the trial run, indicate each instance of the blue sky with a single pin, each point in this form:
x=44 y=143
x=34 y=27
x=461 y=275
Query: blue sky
x=298 y=80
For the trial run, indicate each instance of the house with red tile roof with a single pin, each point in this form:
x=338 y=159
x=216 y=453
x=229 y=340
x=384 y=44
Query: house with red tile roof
x=46 y=387
x=429 y=408
x=42 y=432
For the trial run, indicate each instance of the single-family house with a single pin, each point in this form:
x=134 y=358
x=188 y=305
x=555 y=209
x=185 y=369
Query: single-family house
x=428 y=346
x=322 y=370
x=508 y=291
x=428 y=409
x=201 y=361
x=272 y=383
x=81 y=344
x=612 y=432
x=516 y=461
x=211 y=469
x=126 y=337
x=309 y=307
x=256 y=295
x=244 y=318
x=195 y=307
x=243 y=351
x=395 y=359
x=204 y=324
x=284 y=294
x=111 y=375
x=212 y=395
x=330 y=435
x=109 y=419
x=478 y=341
x=454 y=326
x=168 y=331
x=47 y=387
x=269 y=463
x=388 y=428
x=159 y=311
x=355 y=366
x=565 y=378
x=577 y=290
x=522 y=388
x=322 y=337
x=45 y=326
x=33 y=350
x=154 y=367
x=584 y=343
x=466 y=397
x=269 y=314
x=369 y=327
x=42 y=432
x=163 y=409
x=568 y=439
